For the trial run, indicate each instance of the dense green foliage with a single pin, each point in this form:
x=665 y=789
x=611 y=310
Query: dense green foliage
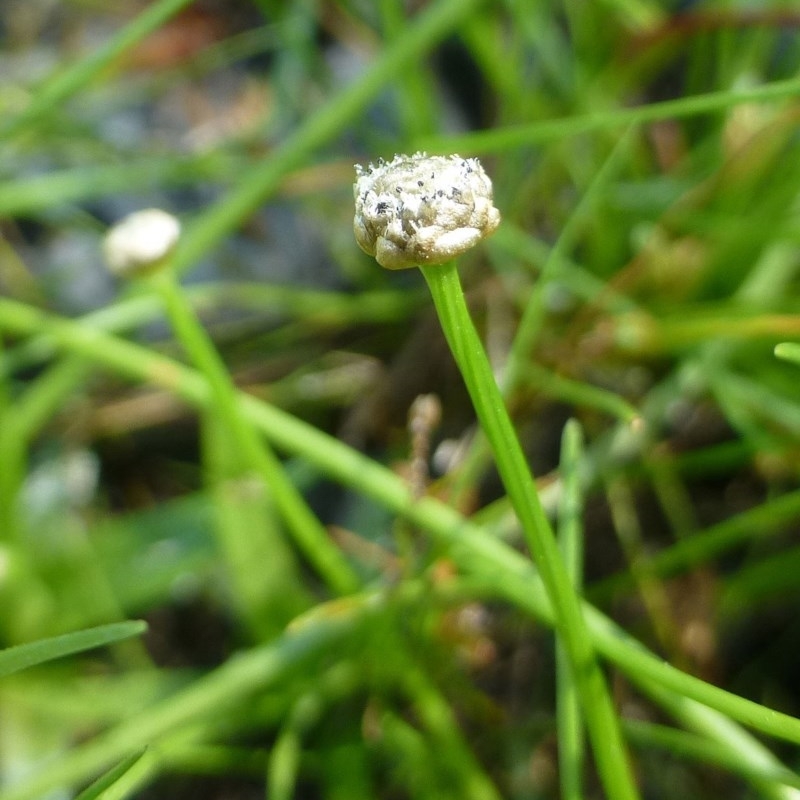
x=222 y=448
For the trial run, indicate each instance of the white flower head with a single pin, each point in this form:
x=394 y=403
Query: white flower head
x=422 y=209
x=141 y=241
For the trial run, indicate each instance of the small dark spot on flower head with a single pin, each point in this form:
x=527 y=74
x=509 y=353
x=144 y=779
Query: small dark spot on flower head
x=455 y=191
x=425 y=198
x=381 y=162
x=398 y=189
x=433 y=176
x=382 y=207
x=439 y=193
x=420 y=184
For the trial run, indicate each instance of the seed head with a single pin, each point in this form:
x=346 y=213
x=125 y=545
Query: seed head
x=422 y=209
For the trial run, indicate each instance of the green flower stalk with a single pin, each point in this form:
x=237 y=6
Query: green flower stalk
x=423 y=211
x=142 y=245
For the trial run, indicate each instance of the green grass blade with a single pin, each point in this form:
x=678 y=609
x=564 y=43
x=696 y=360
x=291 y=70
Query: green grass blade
x=756 y=523
x=499 y=139
x=775 y=781
x=233 y=682
x=252 y=450
x=107 y=781
x=70 y=81
x=570 y=533
x=19 y=657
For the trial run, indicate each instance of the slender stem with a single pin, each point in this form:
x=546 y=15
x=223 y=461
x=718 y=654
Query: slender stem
x=509 y=137
x=13 y=456
x=24 y=656
x=570 y=533
x=532 y=320
x=610 y=752
x=71 y=80
x=309 y=533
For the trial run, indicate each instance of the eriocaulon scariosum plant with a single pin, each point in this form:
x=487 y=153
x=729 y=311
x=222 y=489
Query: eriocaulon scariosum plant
x=424 y=211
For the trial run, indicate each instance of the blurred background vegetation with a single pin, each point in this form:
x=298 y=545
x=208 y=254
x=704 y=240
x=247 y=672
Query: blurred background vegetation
x=645 y=159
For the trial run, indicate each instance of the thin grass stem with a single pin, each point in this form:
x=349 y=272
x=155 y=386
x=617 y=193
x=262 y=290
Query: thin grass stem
x=570 y=533
x=601 y=719
x=309 y=533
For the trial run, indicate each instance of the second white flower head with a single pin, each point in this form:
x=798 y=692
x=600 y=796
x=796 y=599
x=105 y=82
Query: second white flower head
x=141 y=242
